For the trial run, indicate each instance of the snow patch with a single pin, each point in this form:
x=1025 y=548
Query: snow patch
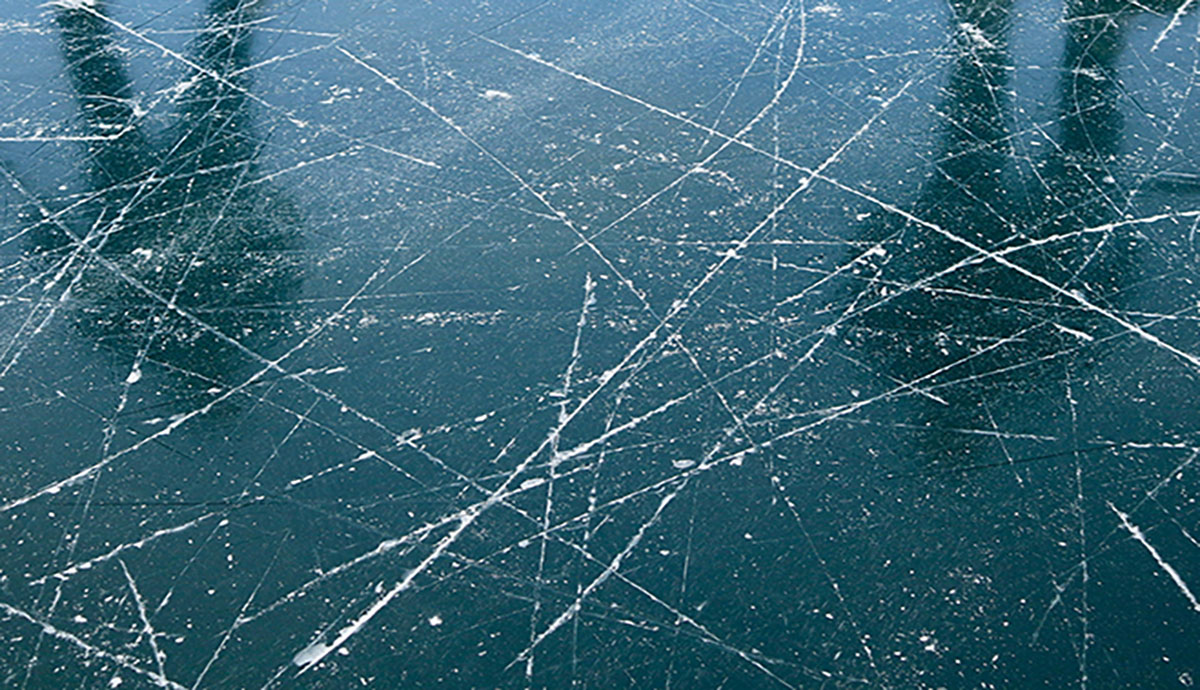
x=496 y=94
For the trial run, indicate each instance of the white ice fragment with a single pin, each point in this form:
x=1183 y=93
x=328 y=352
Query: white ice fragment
x=532 y=482
x=435 y=620
x=135 y=375
x=1078 y=334
x=493 y=94
x=311 y=654
x=976 y=35
x=115 y=682
x=683 y=464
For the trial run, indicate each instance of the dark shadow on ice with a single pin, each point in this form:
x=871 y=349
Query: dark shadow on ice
x=181 y=257
x=982 y=338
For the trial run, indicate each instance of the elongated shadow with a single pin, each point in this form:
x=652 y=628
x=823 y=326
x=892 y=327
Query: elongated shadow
x=998 y=337
x=181 y=259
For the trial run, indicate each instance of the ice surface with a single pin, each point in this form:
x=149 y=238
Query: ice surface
x=580 y=343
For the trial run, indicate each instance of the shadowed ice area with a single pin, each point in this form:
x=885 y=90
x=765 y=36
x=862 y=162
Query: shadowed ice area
x=597 y=344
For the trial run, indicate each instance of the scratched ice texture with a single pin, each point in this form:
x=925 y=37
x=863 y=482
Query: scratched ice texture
x=599 y=344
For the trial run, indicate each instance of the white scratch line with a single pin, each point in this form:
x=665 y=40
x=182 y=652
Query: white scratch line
x=1137 y=534
x=1173 y=23
x=123 y=660
x=315 y=652
x=998 y=257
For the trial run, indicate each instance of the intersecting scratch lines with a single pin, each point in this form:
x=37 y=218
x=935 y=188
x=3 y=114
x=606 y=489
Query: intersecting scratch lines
x=597 y=344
